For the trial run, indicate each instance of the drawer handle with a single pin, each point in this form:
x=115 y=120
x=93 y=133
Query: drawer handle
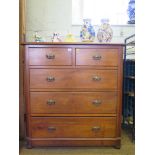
x=50 y=102
x=49 y=56
x=96 y=128
x=50 y=129
x=97 y=102
x=97 y=57
x=50 y=78
x=96 y=78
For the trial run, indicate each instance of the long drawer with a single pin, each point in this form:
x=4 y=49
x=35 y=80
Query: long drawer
x=73 y=78
x=73 y=127
x=97 y=57
x=50 y=56
x=73 y=102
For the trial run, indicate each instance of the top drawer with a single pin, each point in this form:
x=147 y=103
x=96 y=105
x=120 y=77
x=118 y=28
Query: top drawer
x=97 y=57
x=50 y=56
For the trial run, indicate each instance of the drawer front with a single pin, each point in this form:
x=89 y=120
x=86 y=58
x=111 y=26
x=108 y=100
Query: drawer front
x=73 y=127
x=73 y=102
x=50 y=56
x=73 y=78
x=97 y=57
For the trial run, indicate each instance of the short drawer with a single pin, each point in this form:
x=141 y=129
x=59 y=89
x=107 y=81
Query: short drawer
x=73 y=127
x=73 y=78
x=73 y=102
x=50 y=56
x=97 y=57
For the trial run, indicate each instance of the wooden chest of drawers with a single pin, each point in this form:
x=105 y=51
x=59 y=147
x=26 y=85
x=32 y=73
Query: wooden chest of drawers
x=73 y=94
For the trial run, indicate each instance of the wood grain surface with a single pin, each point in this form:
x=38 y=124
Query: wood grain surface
x=73 y=94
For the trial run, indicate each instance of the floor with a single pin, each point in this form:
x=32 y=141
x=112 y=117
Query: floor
x=128 y=148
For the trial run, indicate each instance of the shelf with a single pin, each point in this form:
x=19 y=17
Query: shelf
x=132 y=43
x=130 y=77
x=132 y=94
x=129 y=60
x=129 y=84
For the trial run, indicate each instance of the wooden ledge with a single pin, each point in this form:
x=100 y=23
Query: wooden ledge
x=70 y=43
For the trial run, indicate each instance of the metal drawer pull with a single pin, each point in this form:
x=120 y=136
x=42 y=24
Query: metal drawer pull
x=50 y=56
x=96 y=128
x=50 y=102
x=97 y=102
x=97 y=57
x=96 y=78
x=50 y=78
x=51 y=128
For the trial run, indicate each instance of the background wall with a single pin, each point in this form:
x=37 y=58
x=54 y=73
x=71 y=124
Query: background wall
x=48 y=16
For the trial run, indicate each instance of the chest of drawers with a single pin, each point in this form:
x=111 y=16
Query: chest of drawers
x=73 y=94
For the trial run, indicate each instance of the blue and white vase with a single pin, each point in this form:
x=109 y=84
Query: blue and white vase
x=87 y=33
x=131 y=12
x=105 y=32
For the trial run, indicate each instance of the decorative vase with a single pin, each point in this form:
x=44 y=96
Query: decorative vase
x=70 y=38
x=56 y=37
x=131 y=12
x=105 y=32
x=87 y=33
x=38 y=38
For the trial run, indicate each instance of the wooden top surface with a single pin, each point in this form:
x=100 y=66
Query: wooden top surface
x=70 y=43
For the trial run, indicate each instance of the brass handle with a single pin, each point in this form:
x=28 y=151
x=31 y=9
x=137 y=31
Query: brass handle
x=97 y=57
x=97 y=102
x=96 y=128
x=50 y=102
x=50 y=56
x=50 y=78
x=96 y=78
x=51 y=128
